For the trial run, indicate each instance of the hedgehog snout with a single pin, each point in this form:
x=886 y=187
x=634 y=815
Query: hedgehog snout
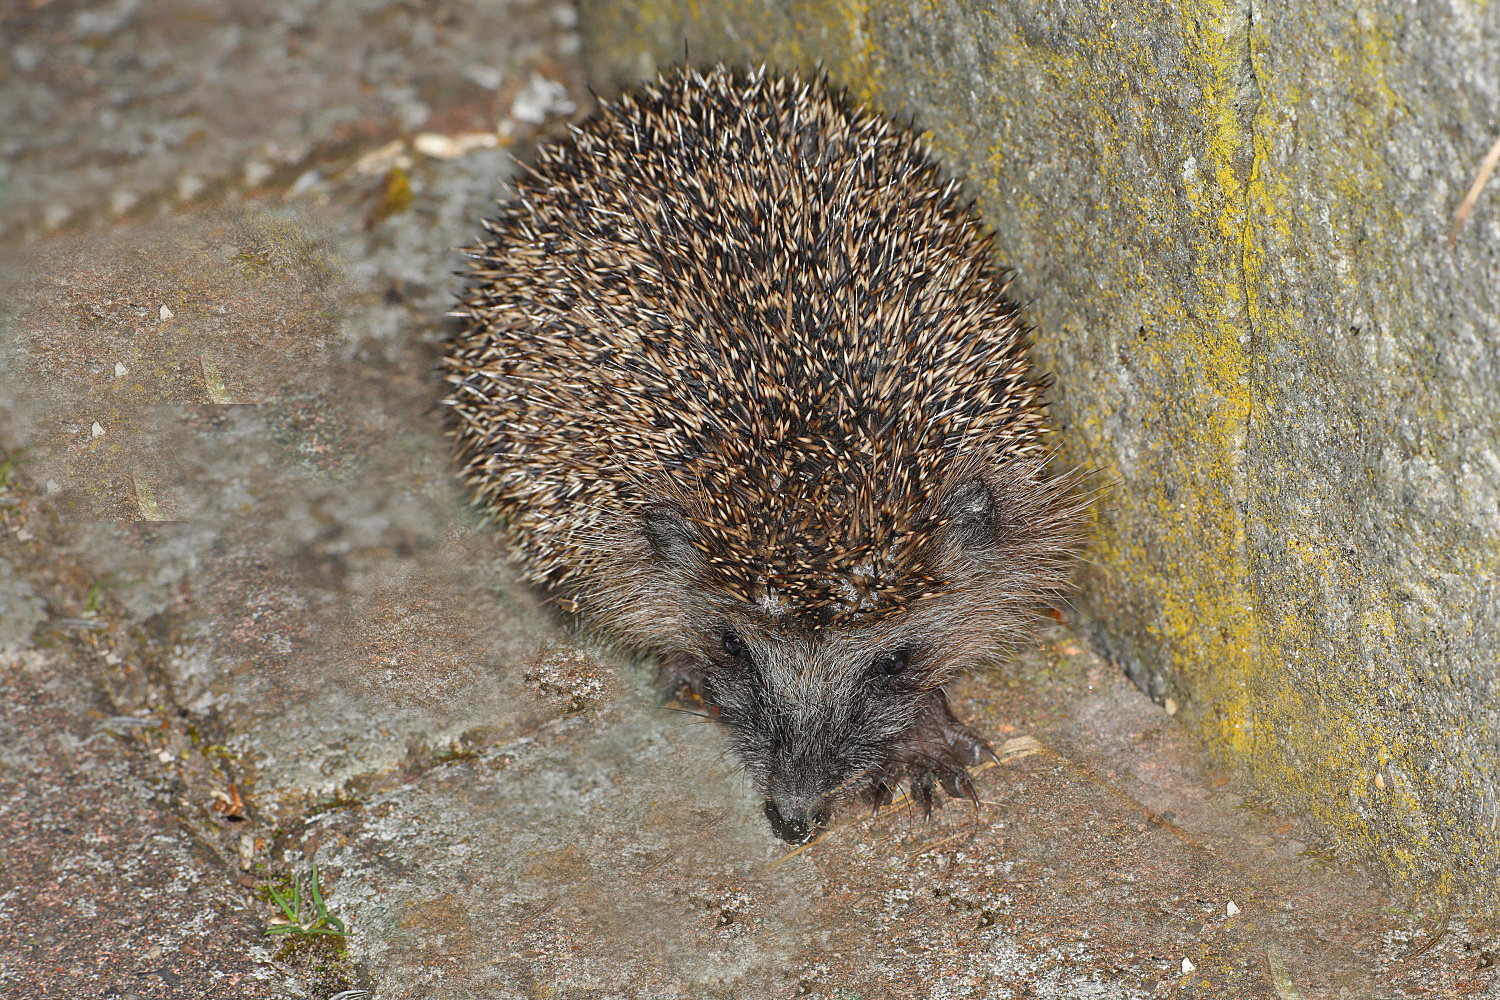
x=802 y=789
x=797 y=787
x=795 y=819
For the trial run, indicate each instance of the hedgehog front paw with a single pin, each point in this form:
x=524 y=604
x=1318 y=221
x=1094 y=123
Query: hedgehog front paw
x=936 y=752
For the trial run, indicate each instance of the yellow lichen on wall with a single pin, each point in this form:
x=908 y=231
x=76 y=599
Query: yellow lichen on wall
x=1205 y=617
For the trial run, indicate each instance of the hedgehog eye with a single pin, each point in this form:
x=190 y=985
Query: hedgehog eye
x=890 y=664
x=735 y=646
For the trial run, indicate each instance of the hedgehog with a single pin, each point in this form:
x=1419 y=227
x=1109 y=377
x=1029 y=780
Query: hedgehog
x=737 y=378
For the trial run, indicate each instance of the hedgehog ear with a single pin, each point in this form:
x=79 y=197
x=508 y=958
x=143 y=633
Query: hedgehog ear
x=970 y=511
x=671 y=536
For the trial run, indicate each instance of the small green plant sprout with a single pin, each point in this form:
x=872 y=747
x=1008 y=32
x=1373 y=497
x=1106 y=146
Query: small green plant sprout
x=95 y=597
x=96 y=593
x=300 y=918
x=8 y=466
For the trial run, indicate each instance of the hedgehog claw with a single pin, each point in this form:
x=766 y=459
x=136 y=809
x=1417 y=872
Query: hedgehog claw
x=954 y=784
x=939 y=752
x=985 y=750
x=921 y=791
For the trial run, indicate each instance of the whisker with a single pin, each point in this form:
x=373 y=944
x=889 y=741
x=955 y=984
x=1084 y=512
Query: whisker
x=687 y=711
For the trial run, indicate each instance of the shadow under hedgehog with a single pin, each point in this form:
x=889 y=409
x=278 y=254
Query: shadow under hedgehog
x=739 y=382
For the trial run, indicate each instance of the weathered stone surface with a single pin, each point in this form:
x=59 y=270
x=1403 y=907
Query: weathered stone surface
x=102 y=891
x=312 y=551
x=20 y=607
x=1232 y=221
x=606 y=855
x=266 y=632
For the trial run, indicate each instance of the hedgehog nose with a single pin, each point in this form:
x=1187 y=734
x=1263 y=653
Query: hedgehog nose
x=796 y=821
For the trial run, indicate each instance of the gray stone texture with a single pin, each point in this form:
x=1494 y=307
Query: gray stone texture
x=250 y=624
x=20 y=607
x=1230 y=222
x=103 y=893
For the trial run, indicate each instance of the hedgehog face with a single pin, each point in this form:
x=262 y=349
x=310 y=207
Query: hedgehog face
x=847 y=699
x=815 y=718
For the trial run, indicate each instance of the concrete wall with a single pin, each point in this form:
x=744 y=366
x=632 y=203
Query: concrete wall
x=1233 y=222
